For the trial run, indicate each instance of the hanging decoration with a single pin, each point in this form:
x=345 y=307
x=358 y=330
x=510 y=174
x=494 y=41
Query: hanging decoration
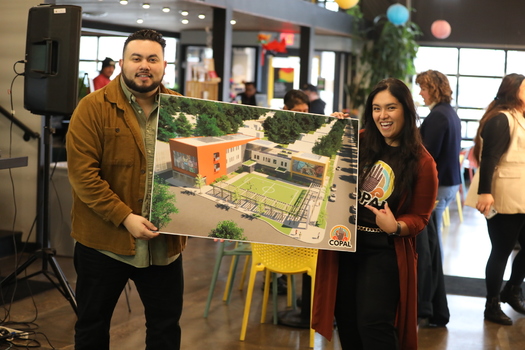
x=273 y=46
x=441 y=29
x=263 y=38
x=397 y=14
x=346 y=4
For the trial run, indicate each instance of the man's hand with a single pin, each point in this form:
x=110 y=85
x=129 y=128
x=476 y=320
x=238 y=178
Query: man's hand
x=140 y=227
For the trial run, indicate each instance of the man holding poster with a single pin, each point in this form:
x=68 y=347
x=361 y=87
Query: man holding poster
x=111 y=147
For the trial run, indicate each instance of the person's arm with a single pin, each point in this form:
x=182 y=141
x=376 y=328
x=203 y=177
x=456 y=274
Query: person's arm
x=433 y=131
x=423 y=197
x=496 y=139
x=85 y=147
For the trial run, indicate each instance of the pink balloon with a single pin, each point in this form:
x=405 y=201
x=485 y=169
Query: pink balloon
x=441 y=29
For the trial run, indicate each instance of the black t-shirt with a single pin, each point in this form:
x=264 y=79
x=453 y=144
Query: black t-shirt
x=245 y=100
x=378 y=188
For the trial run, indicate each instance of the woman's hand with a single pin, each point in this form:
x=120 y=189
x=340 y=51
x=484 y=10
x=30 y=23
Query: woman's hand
x=485 y=201
x=385 y=219
x=340 y=115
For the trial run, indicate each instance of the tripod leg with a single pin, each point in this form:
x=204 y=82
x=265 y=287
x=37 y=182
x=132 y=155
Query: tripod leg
x=11 y=277
x=67 y=291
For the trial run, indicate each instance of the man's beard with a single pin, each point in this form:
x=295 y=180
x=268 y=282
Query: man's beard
x=141 y=89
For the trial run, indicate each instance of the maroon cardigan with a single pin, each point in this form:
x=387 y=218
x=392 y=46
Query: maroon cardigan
x=416 y=217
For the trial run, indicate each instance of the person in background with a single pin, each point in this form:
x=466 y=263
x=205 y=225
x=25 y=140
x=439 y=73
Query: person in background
x=103 y=79
x=248 y=96
x=373 y=292
x=316 y=104
x=111 y=148
x=499 y=184
x=296 y=101
x=441 y=134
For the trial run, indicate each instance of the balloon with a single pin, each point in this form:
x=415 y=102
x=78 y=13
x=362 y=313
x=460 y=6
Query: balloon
x=346 y=4
x=441 y=29
x=397 y=14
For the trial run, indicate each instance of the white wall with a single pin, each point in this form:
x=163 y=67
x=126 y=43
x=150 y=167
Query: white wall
x=14 y=26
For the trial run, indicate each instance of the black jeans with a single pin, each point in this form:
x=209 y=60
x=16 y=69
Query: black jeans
x=368 y=294
x=432 y=296
x=504 y=231
x=100 y=281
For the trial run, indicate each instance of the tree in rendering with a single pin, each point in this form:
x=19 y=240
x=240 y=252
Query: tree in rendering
x=162 y=203
x=228 y=229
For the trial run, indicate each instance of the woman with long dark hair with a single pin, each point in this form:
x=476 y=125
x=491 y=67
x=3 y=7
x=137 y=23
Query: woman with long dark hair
x=499 y=148
x=373 y=292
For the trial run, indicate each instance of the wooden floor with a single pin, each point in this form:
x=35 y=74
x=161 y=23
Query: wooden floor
x=466 y=250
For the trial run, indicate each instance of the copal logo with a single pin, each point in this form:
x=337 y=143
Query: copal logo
x=340 y=237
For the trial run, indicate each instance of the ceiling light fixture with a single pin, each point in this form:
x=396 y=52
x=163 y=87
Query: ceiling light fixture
x=140 y=21
x=184 y=13
x=185 y=21
x=166 y=9
x=233 y=22
x=123 y=2
x=201 y=16
x=146 y=5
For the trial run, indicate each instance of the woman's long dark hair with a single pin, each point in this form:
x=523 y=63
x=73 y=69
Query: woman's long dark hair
x=507 y=98
x=373 y=145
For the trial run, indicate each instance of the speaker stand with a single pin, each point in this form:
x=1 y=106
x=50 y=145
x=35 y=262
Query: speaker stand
x=46 y=254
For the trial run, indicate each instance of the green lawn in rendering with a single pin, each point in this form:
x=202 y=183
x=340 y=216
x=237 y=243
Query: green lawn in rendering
x=269 y=188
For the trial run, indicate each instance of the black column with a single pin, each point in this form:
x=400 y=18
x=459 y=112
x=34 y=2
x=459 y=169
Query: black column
x=222 y=49
x=306 y=54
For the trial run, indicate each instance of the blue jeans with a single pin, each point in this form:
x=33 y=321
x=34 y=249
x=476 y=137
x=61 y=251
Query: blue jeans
x=445 y=195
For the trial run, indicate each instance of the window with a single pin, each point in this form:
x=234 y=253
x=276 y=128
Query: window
x=474 y=76
x=94 y=49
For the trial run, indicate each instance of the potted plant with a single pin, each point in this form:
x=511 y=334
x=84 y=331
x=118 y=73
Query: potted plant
x=387 y=50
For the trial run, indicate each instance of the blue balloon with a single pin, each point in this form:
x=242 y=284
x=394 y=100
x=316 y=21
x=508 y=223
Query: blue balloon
x=397 y=14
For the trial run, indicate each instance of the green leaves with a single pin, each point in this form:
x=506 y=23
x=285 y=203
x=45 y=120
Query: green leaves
x=388 y=51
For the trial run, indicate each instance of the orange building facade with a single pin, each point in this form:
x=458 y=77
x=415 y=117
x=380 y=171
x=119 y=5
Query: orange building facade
x=209 y=156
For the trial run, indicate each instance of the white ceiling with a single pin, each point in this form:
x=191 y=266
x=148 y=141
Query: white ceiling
x=112 y=12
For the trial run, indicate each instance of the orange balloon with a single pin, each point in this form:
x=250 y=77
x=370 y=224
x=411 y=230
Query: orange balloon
x=346 y=4
x=441 y=29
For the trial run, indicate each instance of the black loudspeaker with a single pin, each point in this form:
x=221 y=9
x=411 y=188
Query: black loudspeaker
x=52 y=57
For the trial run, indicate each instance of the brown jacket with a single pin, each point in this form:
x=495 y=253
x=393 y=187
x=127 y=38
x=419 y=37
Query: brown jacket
x=107 y=171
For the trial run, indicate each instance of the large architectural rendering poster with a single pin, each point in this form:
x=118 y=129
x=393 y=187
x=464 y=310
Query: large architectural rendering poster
x=245 y=173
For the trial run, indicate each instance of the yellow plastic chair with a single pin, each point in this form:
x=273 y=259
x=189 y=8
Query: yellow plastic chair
x=446 y=213
x=278 y=259
x=459 y=194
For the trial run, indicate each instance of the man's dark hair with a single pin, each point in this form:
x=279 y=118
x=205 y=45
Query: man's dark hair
x=145 y=34
x=309 y=87
x=294 y=98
